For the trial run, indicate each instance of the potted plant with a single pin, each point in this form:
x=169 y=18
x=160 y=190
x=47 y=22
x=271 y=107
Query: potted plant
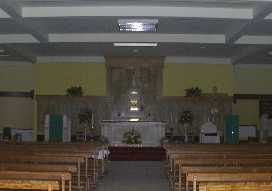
x=193 y=92
x=74 y=91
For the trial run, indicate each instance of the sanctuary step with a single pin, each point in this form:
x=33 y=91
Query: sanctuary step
x=137 y=154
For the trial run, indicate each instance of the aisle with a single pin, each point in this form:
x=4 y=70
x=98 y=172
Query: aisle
x=134 y=176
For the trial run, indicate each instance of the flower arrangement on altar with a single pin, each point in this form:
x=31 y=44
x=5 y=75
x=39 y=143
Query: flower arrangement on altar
x=186 y=117
x=132 y=137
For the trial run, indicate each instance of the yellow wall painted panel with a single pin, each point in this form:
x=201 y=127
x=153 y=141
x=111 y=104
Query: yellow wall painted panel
x=54 y=79
x=253 y=80
x=16 y=77
x=248 y=111
x=178 y=77
x=16 y=112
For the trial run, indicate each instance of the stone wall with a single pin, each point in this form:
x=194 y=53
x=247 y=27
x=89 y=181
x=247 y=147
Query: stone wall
x=143 y=74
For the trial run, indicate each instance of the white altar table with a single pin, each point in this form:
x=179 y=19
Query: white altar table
x=151 y=131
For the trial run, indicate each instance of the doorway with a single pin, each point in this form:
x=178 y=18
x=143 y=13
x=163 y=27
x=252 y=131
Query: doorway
x=56 y=128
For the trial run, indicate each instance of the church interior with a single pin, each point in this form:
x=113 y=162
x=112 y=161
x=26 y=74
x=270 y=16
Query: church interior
x=165 y=95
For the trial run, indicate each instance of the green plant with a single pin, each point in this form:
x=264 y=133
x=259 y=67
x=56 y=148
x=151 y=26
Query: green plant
x=132 y=137
x=74 y=91
x=193 y=92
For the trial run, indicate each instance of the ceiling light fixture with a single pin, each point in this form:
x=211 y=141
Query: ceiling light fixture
x=134 y=44
x=2 y=50
x=138 y=25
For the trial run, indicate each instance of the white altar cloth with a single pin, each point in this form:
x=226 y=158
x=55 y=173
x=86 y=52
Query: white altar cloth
x=151 y=131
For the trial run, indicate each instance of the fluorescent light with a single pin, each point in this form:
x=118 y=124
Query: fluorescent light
x=4 y=55
x=134 y=44
x=2 y=50
x=134 y=119
x=137 y=25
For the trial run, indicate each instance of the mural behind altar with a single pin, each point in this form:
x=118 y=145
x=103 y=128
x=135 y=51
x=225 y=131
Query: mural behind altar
x=134 y=85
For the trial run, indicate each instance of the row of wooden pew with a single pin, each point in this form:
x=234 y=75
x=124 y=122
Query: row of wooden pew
x=219 y=167
x=49 y=167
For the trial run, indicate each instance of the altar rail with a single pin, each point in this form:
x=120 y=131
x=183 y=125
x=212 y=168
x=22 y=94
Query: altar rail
x=137 y=153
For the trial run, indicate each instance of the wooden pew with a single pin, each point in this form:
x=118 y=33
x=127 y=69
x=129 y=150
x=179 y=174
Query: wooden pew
x=46 y=160
x=42 y=176
x=216 y=147
x=51 y=153
x=219 y=158
x=89 y=173
x=179 y=172
x=29 y=185
x=215 y=158
x=217 y=151
x=39 y=167
x=214 y=169
x=58 y=153
x=196 y=177
x=85 y=150
x=245 y=186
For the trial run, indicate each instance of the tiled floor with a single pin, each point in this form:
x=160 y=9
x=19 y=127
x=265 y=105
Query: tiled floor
x=134 y=176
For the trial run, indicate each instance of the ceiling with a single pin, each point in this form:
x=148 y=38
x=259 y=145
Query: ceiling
x=239 y=31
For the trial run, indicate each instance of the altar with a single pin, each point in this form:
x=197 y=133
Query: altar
x=151 y=132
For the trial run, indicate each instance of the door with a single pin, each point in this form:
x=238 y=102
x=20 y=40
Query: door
x=55 y=128
x=232 y=129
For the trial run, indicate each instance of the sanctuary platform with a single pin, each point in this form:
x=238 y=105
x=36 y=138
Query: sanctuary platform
x=137 y=153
